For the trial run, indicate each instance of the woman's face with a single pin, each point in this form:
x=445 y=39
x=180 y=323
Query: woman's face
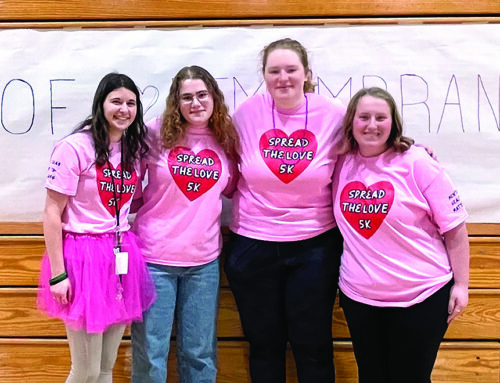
x=120 y=109
x=372 y=125
x=285 y=75
x=196 y=102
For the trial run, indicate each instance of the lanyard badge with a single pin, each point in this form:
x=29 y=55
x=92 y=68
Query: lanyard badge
x=121 y=262
x=121 y=257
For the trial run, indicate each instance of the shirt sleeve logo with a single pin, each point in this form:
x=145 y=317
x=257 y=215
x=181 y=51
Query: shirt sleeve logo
x=365 y=208
x=194 y=173
x=287 y=156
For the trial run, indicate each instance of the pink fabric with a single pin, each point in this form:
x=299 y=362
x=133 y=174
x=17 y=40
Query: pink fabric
x=100 y=299
x=179 y=222
x=392 y=210
x=72 y=171
x=285 y=185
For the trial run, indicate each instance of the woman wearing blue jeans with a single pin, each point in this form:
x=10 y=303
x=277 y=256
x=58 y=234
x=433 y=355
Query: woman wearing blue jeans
x=189 y=167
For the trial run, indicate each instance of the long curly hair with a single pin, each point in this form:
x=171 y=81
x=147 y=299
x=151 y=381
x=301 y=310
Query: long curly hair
x=298 y=48
x=220 y=123
x=134 y=137
x=396 y=139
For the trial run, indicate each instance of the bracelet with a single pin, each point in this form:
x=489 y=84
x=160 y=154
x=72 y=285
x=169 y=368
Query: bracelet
x=58 y=278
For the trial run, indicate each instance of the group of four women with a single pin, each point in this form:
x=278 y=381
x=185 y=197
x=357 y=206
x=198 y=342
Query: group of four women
x=298 y=168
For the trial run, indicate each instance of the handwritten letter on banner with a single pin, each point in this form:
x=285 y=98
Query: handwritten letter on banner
x=445 y=79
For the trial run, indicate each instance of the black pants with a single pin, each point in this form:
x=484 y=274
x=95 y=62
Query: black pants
x=285 y=292
x=397 y=345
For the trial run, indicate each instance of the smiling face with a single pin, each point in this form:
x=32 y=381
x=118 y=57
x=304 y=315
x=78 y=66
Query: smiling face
x=120 y=109
x=371 y=126
x=285 y=76
x=196 y=103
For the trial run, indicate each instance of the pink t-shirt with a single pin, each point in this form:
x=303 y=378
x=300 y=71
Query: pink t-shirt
x=179 y=222
x=285 y=185
x=392 y=210
x=91 y=190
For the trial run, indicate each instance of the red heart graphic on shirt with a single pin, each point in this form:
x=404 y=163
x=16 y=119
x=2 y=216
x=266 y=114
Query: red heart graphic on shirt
x=287 y=156
x=112 y=181
x=193 y=173
x=365 y=208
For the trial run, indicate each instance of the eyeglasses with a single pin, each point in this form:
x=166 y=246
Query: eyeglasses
x=201 y=96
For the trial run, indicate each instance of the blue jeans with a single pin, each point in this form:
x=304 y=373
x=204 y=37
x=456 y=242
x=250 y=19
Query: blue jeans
x=190 y=294
x=285 y=292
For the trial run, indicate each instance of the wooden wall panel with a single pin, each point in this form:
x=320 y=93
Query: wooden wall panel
x=36 y=229
x=466 y=362
x=20 y=317
x=20 y=228
x=481 y=318
x=456 y=363
x=20 y=261
x=484 y=262
x=12 y=10
x=41 y=361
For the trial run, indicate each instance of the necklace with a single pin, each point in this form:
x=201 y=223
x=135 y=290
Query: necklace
x=291 y=161
x=117 y=196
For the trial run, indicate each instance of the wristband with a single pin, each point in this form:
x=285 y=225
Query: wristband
x=58 y=278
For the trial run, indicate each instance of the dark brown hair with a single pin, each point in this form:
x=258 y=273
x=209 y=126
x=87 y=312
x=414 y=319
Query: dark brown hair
x=134 y=137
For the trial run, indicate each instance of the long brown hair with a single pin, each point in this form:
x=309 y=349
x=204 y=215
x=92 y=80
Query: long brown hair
x=220 y=123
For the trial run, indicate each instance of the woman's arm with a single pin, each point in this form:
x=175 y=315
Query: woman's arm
x=457 y=246
x=234 y=176
x=136 y=205
x=137 y=199
x=55 y=204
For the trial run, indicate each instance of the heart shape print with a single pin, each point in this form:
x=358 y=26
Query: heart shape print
x=287 y=156
x=109 y=183
x=193 y=173
x=365 y=208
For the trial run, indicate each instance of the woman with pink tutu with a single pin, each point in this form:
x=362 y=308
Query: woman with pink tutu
x=93 y=276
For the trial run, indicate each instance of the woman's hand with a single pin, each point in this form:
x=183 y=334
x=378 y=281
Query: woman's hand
x=457 y=246
x=429 y=151
x=62 y=292
x=459 y=297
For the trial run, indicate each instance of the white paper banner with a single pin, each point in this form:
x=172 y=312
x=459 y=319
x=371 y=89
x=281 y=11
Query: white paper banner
x=445 y=79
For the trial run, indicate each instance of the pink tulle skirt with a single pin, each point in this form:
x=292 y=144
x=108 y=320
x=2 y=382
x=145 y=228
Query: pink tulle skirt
x=100 y=298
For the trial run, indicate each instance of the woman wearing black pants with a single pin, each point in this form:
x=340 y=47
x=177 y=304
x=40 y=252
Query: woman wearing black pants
x=405 y=267
x=283 y=255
